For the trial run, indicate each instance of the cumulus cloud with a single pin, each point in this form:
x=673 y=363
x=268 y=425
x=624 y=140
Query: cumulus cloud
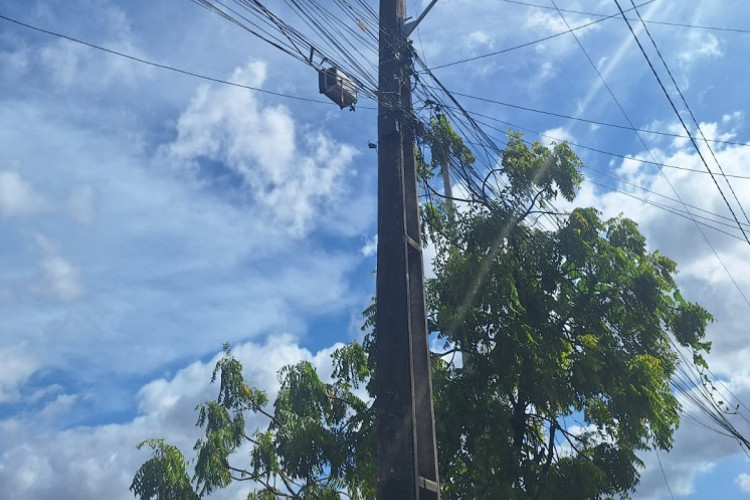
x=700 y=46
x=370 y=247
x=99 y=462
x=289 y=172
x=17 y=195
x=701 y=446
x=135 y=252
x=71 y=64
x=15 y=61
x=17 y=367
x=546 y=20
x=743 y=482
x=62 y=60
x=477 y=39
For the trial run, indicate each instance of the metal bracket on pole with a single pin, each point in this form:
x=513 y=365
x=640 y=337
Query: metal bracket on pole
x=411 y=26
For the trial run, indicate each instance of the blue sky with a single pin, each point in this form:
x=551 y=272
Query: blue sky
x=146 y=217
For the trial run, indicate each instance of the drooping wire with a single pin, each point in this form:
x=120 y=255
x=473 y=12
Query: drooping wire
x=597 y=150
x=164 y=66
x=470 y=127
x=260 y=21
x=696 y=389
x=250 y=26
x=672 y=210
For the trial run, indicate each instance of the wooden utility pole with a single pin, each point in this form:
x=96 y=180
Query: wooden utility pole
x=406 y=450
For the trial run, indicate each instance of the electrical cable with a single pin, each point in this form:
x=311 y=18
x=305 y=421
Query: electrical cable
x=674 y=210
x=682 y=122
x=533 y=42
x=704 y=404
x=166 y=66
x=341 y=52
x=666 y=208
x=691 y=384
x=663 y=474
x=462 y=119
x=268 y=38
x=649 y=21
x=600 y=151
x=661 y=171
x=690 y=111
x=647 y=190
x=590 y=121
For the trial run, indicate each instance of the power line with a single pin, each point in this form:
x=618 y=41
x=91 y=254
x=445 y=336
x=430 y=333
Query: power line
x=590 y=121
x=690 y=111
x=297 y=44
x=638 y=186
x=681 y=213
x=682 y=122
x=597 y=150
x=674 y=211
x=534 y=42
x=166 y=66
x=649 y=21
x=491 y=181
x=661 y=171
x=650 y=191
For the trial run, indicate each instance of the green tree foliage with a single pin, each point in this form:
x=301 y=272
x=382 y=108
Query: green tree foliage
x=316 y=443
x=573 y=335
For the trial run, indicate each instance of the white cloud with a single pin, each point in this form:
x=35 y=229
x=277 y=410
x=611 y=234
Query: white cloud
x=546 y=21
x=290 y=173
x=162 y=255
x=15 y=62
x=370 y=247
x=555 y=135
x=700 y=445
x=17 y=367
x=477 y=39
x=62 y=60
x=700 y=46
x=72 y=65
x=17 y=195
x=59 y=406
x=97 y=462
x=743 y=482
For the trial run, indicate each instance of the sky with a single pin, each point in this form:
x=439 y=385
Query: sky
x=148 y=216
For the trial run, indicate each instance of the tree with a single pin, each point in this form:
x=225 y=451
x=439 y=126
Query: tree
x=573 y=333
x=318 y=439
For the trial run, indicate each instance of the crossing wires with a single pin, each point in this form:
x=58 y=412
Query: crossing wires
x=681 y=120
x=661 y=171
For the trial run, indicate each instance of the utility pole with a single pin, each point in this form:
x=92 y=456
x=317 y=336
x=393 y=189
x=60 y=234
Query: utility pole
x=406 y=448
